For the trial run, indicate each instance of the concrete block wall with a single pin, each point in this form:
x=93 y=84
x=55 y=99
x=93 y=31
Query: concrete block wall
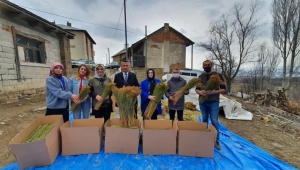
x=33 y=75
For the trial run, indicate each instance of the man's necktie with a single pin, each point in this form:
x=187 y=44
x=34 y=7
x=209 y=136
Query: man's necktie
x=126 y=78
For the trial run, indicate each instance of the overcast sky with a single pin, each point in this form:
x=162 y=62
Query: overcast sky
x=191 y=18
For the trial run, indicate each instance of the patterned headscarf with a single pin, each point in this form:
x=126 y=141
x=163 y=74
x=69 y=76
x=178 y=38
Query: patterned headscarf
x=96 y=74
x=52 y=68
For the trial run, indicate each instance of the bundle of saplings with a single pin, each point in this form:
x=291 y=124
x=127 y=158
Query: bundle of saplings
x=126 y=98
x=39 y=133
x=159 y=90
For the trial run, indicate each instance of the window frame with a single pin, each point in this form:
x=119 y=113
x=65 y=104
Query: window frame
x=137 y=60
x=41 y=49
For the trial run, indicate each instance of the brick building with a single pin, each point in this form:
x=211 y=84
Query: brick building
x=161 y=50
x=29 y=44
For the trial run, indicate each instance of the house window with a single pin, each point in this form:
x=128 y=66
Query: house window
x=30 y=50
x=138 y=61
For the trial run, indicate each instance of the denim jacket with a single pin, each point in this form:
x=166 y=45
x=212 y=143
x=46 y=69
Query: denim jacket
x=73 y=85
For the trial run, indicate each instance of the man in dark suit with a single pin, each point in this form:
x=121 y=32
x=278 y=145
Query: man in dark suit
x=126 y=78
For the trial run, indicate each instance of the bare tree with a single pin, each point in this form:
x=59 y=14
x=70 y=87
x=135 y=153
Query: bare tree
x=239 y=27
x=272 y=63
x=249 y=79
x=261 y=63
x=285 y=33
x=266 y=64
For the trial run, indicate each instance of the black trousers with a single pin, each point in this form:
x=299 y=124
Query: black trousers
x=63 y=112
x=103 y=112
x=179 y=115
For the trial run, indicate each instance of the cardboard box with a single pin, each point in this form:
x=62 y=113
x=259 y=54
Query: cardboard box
x=84 y=137
x=39 y=153
x=121 y=140
x=194 y=142
x=159 y=137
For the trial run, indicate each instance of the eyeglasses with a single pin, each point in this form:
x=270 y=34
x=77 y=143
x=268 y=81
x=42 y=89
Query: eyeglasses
x=99 y=69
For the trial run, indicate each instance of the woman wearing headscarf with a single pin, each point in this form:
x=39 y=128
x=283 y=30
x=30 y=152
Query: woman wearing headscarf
x=76 y=84
x=97 y=85
x=57 y=93
x=147 y=88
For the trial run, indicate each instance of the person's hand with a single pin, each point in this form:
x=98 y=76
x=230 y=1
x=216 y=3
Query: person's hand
x=171 y=98
x=83 y=100
x=202 y=92
x=99 y=98
x=151 y=97
x=210 y=92
x=75 y=99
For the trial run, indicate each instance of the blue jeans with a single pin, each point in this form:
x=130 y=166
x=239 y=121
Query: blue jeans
x=210 y=109
x=84 y=108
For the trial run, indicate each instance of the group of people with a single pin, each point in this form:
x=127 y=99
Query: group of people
x=59 y=90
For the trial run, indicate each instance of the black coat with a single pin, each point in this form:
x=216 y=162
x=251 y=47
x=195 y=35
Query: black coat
x=131 y=80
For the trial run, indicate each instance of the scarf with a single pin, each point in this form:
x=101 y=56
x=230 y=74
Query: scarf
x=152 y=82
x=80 y=85
x=61 y=79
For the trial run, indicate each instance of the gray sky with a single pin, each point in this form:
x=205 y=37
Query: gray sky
x=191 y=18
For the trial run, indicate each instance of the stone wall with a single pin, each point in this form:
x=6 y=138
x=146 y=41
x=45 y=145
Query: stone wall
x=141 y=73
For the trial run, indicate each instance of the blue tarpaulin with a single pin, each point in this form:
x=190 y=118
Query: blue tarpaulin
x=236 y=153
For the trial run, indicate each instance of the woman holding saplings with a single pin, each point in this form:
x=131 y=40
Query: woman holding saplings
x=76 y=84
x=147 y=88
x=57 y=93
x=97 y=85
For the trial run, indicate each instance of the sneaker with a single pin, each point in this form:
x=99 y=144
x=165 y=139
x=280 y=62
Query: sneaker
x=217 y=145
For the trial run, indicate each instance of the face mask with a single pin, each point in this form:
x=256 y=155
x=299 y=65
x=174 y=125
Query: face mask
x=207 y=69
x=175 y=75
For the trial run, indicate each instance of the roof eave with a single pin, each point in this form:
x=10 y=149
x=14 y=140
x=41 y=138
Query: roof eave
x=35 y=17
x=84 y=32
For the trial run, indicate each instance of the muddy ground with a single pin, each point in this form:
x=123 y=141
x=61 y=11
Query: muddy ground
x=278 y=136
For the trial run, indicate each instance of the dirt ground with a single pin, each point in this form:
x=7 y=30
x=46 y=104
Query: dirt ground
x=279 y=137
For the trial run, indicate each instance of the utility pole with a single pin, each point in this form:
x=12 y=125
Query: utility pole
x=108 y=55
x=192 y=57
x=106 y=59
x=125 y=31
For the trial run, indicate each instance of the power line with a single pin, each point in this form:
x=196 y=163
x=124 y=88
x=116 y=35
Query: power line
x=117 y=25
x=131 y=15
x=79 y=20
